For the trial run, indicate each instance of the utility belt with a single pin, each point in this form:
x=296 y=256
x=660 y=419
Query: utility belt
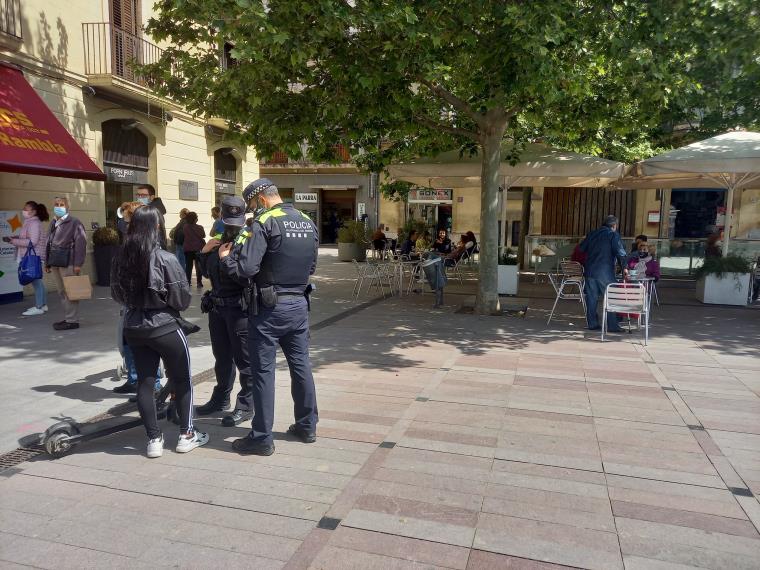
x=255 y=297
x=209 y=302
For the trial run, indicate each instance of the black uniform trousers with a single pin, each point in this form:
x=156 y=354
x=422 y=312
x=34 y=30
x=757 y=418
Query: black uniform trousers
x=286 y=324
x=228 y=328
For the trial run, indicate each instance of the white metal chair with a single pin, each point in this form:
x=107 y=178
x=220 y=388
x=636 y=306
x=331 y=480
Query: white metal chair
x=361 y=275
x=626 y=298
x=570 y=278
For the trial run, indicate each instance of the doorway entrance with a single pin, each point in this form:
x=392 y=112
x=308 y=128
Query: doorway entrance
x=336 y=209
x=125 y=163
x=698 y=212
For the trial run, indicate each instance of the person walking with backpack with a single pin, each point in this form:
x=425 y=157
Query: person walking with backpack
x=149 y=281
x=33 y=232
x=65 y=255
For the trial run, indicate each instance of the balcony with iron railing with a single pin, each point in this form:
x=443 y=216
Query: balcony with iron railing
x=11 y=32
x=110 y=52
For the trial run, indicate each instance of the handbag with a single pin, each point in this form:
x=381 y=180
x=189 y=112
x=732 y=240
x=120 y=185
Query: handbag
x=30 y=266
x=77 y=287
x=186 y=326
x=57 y=256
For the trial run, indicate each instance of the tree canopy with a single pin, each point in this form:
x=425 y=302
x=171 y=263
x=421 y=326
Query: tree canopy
x=612 y=77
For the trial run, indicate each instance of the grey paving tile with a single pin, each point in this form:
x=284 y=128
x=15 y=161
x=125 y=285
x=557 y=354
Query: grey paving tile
x=331 y=558
x=185 y=555
x=411 y=527
x=548 y=542
x=482 y=560
x=549 y=498
x=577 y=518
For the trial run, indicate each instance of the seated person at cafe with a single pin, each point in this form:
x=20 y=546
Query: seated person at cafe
x=407 y=248
x=378 y=239
x=423 y=243
x=451 y=259
x=643 y=263
x=639 y=238
x=442 y=243
x=470 y=243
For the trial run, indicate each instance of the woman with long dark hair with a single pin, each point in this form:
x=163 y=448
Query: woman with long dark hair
x=151 y=284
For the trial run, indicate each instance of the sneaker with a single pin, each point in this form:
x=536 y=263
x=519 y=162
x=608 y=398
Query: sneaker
x=156 y=447
x=33 y=311
x=236 y=417
x=302 y=434
x=185 y=444
x=65 y=326
x=44 y=308
x=246 y=446
x=126 y=388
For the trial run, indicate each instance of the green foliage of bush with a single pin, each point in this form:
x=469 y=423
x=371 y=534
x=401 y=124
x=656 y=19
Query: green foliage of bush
x=508 y=257
x=353 y=232
x=105 y=236
x=721 y=266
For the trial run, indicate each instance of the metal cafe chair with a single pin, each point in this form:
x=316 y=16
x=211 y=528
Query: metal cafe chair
x=626 y=298
x=568 y=284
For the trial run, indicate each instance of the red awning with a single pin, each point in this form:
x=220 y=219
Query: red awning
x=32 y=141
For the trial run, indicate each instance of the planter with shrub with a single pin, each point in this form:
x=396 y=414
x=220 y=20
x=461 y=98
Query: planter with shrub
x=105 y=243
x=724 y=280
x=508 y=274
x=352 y=242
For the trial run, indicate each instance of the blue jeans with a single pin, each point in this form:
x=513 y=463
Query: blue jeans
x=180 y=253
x=40 y=293
x=129 y=360
x=594 y=290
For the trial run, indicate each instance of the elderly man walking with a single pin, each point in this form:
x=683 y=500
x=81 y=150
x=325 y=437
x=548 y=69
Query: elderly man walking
x=602 y=247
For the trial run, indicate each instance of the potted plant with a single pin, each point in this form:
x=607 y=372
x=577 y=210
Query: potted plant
x=508 y=277
x=105 y=243
x=352 y=242
x=724 y=280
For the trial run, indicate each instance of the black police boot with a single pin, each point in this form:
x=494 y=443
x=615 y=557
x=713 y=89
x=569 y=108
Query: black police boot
x=236 y=417
x=302 y=434
x=213 y=405
x=126 y=388
x=246 y=446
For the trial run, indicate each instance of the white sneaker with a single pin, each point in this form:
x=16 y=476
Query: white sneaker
x=44 y=308
x=33 y=311
x=185 y=444
x=156 y=447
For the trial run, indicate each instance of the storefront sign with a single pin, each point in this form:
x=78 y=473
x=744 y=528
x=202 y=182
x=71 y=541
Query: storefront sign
x=10 y=224
x=431 y=195
x=125 y=175
x=362 y=209
x=307 y=197
x=188 y=190
x=225 y=187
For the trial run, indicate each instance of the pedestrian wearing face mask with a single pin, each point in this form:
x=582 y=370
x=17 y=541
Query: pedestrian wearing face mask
x=33 y=232
x=643 y=263
x=65 y=255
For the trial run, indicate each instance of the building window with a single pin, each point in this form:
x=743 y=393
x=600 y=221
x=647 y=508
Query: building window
x=278 y=157
x=10 y=18
x=225 y=174
x=226 y=60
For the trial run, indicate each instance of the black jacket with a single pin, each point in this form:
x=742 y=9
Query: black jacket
x=166 y=295
x=222 y=283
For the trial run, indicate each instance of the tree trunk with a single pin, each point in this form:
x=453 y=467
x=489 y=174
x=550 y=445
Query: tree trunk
x=488 y=297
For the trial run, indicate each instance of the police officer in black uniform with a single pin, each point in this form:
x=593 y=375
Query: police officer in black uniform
x=227 y=321
x=279 y=253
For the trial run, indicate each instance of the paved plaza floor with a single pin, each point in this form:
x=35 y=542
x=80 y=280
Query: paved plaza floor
x=446 y=440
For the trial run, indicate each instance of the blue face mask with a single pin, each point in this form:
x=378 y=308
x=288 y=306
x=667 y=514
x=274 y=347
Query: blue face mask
x=144 y=200
x=59 y=211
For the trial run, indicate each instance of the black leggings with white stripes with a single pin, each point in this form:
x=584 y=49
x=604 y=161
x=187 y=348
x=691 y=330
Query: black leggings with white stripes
x=172 y=348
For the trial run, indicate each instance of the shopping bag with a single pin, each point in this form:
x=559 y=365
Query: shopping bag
x=30 y=266
x=77 y=287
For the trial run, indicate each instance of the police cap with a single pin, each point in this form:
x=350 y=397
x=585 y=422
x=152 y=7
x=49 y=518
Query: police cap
x=255 y=187
x=233 y=211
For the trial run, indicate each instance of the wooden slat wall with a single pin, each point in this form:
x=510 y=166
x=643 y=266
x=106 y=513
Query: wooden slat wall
x=576 y=211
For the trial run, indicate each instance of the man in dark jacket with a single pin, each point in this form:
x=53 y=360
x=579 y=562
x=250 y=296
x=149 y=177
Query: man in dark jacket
x=227 y=321
x=602 y=247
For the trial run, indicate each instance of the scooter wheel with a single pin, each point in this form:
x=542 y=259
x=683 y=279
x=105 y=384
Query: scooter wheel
x=58 y=444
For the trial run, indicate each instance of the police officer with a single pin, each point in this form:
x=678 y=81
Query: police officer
x=227 y=321
x=279 y=252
